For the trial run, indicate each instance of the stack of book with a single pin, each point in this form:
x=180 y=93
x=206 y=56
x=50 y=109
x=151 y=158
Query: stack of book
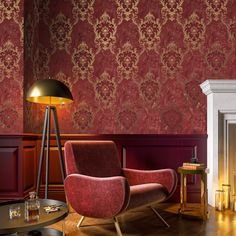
x=193 y=166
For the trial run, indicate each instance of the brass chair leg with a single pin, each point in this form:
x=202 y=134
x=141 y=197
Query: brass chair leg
x=80 y=221
x=159 y=217
x=115 y=222
x=117 y=226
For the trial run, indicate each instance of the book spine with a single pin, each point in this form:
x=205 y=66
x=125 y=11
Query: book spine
x=193 y=164
x=193 y=167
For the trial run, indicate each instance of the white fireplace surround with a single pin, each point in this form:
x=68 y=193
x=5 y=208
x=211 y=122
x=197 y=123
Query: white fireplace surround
x=221 y=128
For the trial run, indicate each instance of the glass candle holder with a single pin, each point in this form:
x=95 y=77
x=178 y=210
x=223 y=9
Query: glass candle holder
x=234 y=183
x=226 y=189
x=14 y=211
x=234 y=203
x=219 y=200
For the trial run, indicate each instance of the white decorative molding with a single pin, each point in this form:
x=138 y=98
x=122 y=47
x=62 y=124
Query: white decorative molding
x=218 y=86
x=221 y=107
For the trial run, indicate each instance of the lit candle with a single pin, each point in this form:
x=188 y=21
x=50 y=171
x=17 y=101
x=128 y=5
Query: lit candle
x=226 y=189
x=226 y=200
x=219 y=200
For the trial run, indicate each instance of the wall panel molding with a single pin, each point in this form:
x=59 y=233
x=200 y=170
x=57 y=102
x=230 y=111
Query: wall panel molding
x=141 y=151
x=17 y=165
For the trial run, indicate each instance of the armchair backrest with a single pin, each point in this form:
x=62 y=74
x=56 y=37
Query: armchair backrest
x=92 y=158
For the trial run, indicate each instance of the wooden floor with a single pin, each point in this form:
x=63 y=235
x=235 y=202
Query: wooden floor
x=146 y=223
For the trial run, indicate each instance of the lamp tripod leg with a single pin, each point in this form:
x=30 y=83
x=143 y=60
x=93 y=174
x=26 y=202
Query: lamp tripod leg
x=47 y=153
x=42 y=152
x=62 y=165
x=46 y=132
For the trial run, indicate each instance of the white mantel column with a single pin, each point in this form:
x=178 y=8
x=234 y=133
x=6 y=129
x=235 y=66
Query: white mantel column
x=221 y=99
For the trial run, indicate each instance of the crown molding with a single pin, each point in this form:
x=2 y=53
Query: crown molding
x=218 y=86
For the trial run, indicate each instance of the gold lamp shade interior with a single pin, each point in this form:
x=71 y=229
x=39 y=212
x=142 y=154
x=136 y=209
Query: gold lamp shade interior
x=49 y=91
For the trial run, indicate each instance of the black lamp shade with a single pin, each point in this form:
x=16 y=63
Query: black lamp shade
x=49 y=91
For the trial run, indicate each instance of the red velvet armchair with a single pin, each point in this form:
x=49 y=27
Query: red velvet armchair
x=96 y=186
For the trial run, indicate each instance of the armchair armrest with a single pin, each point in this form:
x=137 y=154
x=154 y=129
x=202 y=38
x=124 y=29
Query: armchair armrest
x=97 y=197
x=166 y=177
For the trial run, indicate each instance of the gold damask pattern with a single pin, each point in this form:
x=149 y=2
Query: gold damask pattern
x=172 y=58
x=216 y=9
x=9 y=9
x=82 y=59
x=232 y=30
x=82 y=9
x=29 y=32
x=127 y=59
x=40 y=63
x=194 y=31
x=172 y=119
x=127 y=9
x=216 y=57
x=193 y=92
x=41 y=11
x=126 y=118
x=64 y=79
x=140 y=52
x=149 y=30
x=171 y=9
x=83 y=117
x=11 y=66
x=9 y=60
x=149 y=89
x=21 y=29
x=60 y=30
x=105 y=30
x=105 y=89
x=7 y=116
x=9 y=97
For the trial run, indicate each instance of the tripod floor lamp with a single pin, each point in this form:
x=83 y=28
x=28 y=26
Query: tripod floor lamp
x=50 y=92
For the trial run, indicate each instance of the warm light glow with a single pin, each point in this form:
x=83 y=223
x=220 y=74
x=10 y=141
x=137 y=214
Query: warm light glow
x=49 y=100
x=35 y=92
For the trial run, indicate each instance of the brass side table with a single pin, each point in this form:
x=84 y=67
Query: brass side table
x=202 y=209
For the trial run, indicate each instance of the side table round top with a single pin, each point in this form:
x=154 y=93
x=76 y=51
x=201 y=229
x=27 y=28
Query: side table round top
x=8 y=226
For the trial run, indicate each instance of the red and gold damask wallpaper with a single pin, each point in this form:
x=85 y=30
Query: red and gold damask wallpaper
x=11 y=66
x=133 y=66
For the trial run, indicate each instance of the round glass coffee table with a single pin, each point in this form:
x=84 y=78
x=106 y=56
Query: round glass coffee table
x=19 y=226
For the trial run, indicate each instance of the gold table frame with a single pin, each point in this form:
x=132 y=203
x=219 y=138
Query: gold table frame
x=202 y=209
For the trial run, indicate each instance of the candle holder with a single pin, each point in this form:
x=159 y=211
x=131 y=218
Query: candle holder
x=226 y=189
x=234 y=203
x=14 y=211
x=234 y=183
x=219 y=200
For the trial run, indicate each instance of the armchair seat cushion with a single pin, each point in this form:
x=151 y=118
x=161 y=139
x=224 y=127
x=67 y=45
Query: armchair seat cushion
x=142 y=194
